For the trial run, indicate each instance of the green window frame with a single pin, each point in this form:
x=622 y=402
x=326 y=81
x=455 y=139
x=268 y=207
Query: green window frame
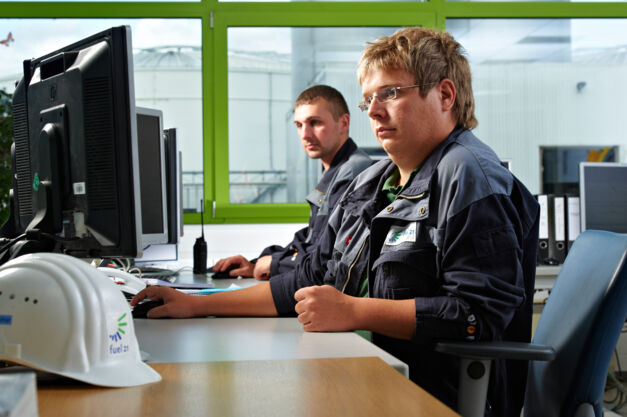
x=217 y=17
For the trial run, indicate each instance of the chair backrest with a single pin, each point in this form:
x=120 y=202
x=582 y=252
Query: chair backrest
x=582 y=321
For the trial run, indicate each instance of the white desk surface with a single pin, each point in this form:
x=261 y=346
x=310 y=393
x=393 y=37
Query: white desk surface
x=237 y=339
x=217 y=339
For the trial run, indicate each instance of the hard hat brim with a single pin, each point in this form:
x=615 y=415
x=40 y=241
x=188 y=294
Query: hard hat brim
x=133 y=373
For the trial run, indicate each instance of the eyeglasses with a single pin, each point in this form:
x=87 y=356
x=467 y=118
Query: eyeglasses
x=386 y=94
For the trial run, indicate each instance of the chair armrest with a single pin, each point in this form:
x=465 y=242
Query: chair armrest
x=497 y=350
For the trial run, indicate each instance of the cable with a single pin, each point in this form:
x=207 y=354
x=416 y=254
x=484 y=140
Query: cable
x=12 y=242
x=152 y=272
x=621 y=393
x=135 y=271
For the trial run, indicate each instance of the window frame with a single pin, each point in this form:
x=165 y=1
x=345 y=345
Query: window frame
x=216 y=17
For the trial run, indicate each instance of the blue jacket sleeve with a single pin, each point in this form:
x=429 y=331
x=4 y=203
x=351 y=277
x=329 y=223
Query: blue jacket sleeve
x=283 y=259
x=312 y=269
x=483 y=284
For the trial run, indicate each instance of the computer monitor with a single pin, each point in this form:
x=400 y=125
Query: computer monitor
x=75 y=154
x=559 y=165
x=158 y=253
x=603 y=196
x=152 y=176
x=174 y=178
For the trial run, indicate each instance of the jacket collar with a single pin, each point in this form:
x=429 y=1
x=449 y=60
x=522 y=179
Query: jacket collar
x=366 y=199
x=422 y=180
x=342 y=155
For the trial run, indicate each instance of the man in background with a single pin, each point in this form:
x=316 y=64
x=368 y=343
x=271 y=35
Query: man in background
x=322 y=120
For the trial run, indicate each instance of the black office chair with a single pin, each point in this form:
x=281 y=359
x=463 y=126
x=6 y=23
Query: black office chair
x=573 y=342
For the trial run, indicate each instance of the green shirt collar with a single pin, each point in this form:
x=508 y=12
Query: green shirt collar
x=390 y=187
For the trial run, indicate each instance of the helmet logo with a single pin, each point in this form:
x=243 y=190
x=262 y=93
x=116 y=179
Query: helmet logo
x=116 y=345
x=5 y=319
x=120 y=330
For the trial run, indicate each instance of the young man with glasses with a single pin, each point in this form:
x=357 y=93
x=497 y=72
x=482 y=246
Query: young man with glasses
x=441 y=238
x=322 y=120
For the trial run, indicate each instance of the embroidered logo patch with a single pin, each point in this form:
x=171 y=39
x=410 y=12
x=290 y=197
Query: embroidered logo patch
x=400 y=234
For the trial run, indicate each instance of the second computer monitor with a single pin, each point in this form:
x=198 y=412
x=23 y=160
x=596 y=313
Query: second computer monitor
x=603 y=194
x=175 y=187
x=152 y=176
x=158 y=253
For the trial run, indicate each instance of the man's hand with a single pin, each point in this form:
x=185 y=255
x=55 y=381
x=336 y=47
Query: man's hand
x=262 y=268
x=175 y=303
x=242 y=267
x=324 y=308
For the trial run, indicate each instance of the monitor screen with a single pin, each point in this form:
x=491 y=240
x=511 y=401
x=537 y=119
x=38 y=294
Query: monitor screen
x=157 y=253
x=75 y=153
x=603 y=196
x=152 y=176
x=174 y=178
x=559 y=166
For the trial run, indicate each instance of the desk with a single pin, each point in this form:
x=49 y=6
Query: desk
x=545 y=276
x=246 y=338
x=242 y=339
x=305 y=387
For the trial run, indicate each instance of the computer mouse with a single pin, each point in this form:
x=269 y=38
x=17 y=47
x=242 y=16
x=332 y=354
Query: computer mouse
x=140 y=311
x=223 y=274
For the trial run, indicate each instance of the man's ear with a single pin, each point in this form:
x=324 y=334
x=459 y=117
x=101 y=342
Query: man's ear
x=447 y=94
x=345 y=120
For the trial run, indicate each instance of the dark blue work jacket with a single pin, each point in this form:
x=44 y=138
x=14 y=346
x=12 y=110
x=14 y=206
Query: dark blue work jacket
x=460 y=239
x=346 y=165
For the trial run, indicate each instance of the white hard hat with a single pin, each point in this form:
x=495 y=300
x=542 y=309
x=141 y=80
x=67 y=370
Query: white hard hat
x=60 y=315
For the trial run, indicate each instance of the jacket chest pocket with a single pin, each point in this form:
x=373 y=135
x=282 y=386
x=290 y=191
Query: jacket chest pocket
x=406 y=266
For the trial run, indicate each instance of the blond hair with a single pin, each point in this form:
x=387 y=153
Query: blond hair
x=430 y=56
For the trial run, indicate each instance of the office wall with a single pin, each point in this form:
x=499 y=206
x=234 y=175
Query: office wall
x=562 y=114
x=232 y=239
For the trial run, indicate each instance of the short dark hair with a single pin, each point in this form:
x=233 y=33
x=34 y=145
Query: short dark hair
x=330 y=94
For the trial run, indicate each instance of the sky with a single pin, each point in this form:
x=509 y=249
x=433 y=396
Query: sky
x=36 y=37
x=275 y=39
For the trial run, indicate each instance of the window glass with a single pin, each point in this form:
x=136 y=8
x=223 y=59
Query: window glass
x=267 y=69
x=168 y=73
x=544 y=83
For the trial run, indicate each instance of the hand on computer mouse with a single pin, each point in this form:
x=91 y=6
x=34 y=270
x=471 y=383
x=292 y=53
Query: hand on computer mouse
x=175 y=304
x=224 y=274
x=140 y=311
x=238 y=264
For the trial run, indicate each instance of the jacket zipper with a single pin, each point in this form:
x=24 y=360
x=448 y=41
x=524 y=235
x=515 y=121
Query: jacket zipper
x=350 y=268
x=410 y=197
